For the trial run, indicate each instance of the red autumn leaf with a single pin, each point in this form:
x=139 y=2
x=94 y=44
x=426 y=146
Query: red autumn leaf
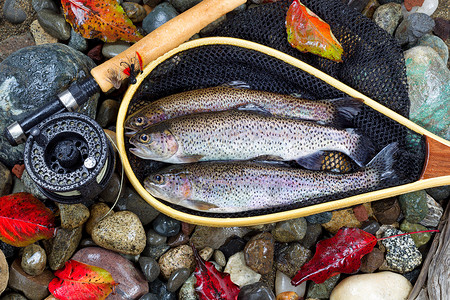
x=212 y=284
x=340 y=254
x=309 y=33
x=24 y=220
x=104 y=19
x=79 y=281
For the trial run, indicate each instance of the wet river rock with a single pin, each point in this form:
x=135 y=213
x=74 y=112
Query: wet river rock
x=131 y=282
x=34 y=260
x=177 y=258
x=259 y=252
x=63 y=246
x=73 y=215
x=33 y=287
x=122 y=232
x=30 y=78
x=4 y=272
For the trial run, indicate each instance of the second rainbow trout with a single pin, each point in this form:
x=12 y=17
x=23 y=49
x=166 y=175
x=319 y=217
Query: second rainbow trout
x=243 y=135
x=336 y=112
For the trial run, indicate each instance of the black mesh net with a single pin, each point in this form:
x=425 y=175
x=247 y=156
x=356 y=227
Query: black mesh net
x=373 y=64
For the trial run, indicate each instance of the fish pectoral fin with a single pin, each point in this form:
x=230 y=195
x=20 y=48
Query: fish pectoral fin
x=191 y=158
x=199 y=205
x=254 y=108
x=313 y=161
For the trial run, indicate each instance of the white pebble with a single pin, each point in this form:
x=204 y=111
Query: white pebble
x=375 y=286
x=240 y=274
x=283 y=284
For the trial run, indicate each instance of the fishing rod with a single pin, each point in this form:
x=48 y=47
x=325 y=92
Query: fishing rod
x=166 y=37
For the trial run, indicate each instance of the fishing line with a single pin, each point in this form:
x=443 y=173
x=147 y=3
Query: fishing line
x=121 y=178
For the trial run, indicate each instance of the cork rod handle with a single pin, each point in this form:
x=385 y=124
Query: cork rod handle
x=166 y=37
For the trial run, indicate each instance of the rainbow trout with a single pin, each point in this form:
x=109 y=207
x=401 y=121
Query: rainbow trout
x=241 y=186
x=243 y=135
x=336 y=112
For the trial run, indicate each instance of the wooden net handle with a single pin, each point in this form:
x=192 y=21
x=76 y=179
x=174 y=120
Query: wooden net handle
x=165 y=38
x=437 y=160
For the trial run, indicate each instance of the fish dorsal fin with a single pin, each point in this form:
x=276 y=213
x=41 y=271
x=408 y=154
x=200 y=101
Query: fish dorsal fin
x=313 y=161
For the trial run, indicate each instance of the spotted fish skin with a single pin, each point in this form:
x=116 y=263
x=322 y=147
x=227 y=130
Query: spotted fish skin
x=241 y=186
x=242 y=135
x=338 y=112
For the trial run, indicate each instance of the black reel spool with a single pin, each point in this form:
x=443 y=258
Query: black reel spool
x=69 y=157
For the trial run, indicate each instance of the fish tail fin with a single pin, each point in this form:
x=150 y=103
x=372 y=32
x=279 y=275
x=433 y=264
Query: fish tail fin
x=346 y=110
x=383 y=163
x=363 y=148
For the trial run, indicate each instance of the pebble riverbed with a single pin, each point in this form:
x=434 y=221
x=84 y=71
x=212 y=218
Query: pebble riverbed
x=149 y=254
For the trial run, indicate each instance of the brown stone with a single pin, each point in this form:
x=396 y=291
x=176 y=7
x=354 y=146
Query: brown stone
x=442 y=17
x=131 y=282
x=64 y=245
x=97 y=211
x=147 y=8
x=215 y=237
x=370 y=8
x=5 y=180
x=40 y=36
x=96 y=53
x=372 y=261
x=122 y=232
x=259 y=252
x=187 y=228
x=291 y=257
x=33 y=287
x=442 y=28
x=360 y=213
x=386 y=211
x=4 y=272
x=176 y=258
x=206 y=253
x=18 y=170
x=177 y=240
x=14 y=43
x=34 y=260
x=342 y=218
x=73 y=215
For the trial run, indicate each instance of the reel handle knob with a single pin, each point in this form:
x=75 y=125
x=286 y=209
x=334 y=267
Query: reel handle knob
x=70 y=99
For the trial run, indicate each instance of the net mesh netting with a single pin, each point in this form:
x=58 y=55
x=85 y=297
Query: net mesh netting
x=373 y=64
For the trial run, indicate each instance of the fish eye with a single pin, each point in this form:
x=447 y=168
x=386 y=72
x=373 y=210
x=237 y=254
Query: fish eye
x=144 y=138
x=139 y=121
x=159 y=179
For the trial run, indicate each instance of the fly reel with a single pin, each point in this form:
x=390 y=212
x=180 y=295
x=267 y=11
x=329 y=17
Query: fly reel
x=69 y=157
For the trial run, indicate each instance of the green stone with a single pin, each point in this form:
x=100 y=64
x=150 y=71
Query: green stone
x=436 y=43
x=322 y=290
x=290 y=230
x=429 y=91
x=419 y=238
x=439 y=193
x=414 y=206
